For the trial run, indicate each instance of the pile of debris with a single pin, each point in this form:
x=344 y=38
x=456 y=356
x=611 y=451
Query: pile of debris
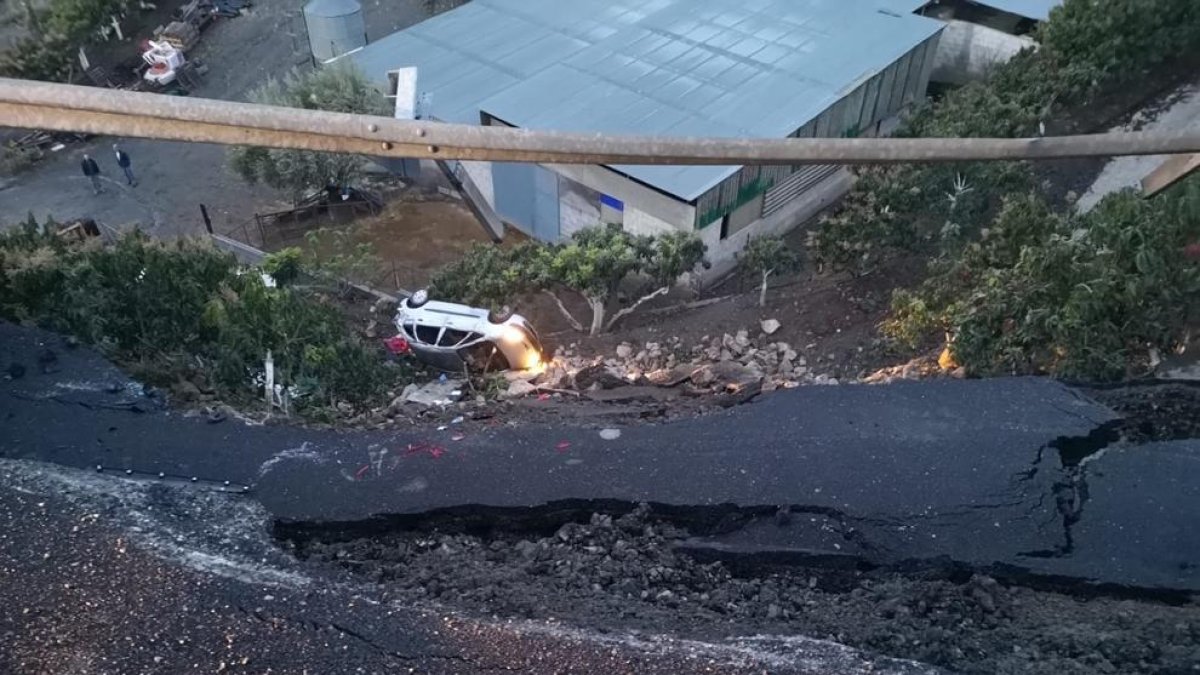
x=725 y=364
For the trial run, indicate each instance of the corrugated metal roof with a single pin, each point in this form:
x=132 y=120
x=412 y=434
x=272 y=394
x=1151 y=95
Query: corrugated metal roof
x=1031 y=9
x=732 y=68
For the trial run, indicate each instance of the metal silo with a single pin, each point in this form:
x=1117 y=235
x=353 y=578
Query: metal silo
x=335 y=27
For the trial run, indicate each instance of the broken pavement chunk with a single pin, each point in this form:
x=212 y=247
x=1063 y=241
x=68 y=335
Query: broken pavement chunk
x=438 y=393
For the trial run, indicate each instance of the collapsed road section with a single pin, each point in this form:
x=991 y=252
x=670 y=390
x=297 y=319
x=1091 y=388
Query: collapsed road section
x=986 y=472
x=984 y=494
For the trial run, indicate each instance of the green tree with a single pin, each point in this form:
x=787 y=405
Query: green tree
x=764 y=256
x=338 y=88
x=596 y=261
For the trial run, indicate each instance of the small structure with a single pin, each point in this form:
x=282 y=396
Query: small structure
x=767 y=69
x=335 y=28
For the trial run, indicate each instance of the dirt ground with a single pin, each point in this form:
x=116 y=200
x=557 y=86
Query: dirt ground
x=418 y=232
x=830 y=319
x=624 y=569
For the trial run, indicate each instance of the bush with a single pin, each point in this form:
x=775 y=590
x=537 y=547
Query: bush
x=487 y=276
x=56 y=33
x=171 y=309
x=284 y=265
x=1086 y=46
x=1083 y=296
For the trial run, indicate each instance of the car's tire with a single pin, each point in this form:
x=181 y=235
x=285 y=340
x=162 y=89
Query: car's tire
x=417 y=299
x=501 y=315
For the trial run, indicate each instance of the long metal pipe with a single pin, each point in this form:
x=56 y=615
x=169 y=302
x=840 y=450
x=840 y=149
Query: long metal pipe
x=62 y=107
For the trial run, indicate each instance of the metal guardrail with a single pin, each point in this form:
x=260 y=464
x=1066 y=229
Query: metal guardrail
x=43 y=105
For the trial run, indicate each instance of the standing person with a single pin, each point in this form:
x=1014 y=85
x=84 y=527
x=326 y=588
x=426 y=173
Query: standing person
x=92 y=170
x=125 y=164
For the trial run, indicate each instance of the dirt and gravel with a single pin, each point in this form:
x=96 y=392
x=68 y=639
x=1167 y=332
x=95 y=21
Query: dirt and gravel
x=627 y=571
x=603 y=566
x=1154 y=412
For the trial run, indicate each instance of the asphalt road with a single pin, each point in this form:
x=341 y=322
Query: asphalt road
x=108 y=575
x=960 y=469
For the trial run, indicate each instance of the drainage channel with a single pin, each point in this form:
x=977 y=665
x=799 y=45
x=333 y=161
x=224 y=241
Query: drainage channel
x=614 y=565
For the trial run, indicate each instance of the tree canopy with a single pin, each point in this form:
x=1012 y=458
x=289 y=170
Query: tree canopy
x=595 y=263
x=339 y=88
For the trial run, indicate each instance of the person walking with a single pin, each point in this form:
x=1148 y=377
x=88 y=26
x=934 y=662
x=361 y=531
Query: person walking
x=125 y=164
x=92 y=170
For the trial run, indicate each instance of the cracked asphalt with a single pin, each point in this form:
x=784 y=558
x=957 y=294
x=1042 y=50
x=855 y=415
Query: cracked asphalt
x=107 y=575
x=121 y=571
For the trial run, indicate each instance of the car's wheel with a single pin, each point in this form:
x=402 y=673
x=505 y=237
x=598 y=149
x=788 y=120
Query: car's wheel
x=500 y=315
x=417 y=299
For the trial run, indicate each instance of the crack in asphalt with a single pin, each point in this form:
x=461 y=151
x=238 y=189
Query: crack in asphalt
x=131 y=406
x=318 y=626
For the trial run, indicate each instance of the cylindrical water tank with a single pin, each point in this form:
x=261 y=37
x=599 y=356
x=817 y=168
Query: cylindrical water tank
x=334 y=28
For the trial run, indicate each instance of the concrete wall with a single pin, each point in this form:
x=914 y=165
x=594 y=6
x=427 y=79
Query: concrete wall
x=578 y=208
x=481 y=174
x=640 y=222
x=722 y=252
x=637 y=197
x=967 y=51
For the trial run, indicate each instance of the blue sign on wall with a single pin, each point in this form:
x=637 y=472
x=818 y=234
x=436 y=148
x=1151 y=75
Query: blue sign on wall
x=612 y=203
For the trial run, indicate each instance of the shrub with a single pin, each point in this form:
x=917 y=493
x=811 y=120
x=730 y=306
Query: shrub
x=284 y=265
x=174 y=308
x=1083 y=296
x=487 y=275
x=1086 y=46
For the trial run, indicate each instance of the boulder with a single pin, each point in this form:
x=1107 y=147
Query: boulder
x=624 y=350
x=555 y=377
x=598 y=375
x=769 y=326
x=519 y=388
x=735 y=375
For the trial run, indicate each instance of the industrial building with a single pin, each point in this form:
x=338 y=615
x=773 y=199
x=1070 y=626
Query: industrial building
x=724 y=68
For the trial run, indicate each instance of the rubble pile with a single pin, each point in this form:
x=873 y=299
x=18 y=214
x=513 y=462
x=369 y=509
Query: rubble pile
x=721 y=364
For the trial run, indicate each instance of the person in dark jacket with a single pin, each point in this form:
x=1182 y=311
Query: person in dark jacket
x=125 y=164
x=92 y=170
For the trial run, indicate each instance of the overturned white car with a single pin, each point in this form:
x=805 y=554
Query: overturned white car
x=450 y=336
